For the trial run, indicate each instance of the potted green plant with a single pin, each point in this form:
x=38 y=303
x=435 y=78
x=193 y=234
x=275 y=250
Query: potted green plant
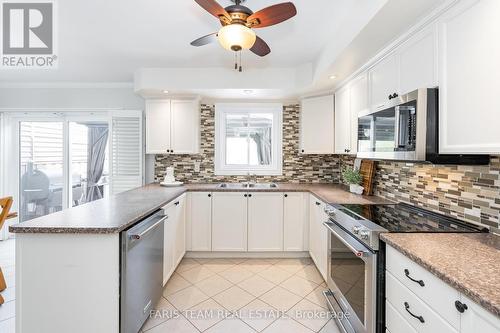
x=354 y=178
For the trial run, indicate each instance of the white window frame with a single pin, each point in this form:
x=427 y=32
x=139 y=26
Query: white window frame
x=221 y=110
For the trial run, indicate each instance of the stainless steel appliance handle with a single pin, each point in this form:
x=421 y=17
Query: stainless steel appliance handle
x=396 y=127
x=358 y=250
x=142 y=234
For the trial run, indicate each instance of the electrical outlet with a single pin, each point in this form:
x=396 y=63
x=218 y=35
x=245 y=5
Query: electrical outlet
x=197 y=166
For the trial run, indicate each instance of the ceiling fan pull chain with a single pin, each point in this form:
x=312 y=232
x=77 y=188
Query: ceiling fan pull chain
x=240 y=63
x=235 y=61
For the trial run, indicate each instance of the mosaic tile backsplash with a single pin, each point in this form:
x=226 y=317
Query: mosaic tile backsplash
x=470 y=193
x=296 y=167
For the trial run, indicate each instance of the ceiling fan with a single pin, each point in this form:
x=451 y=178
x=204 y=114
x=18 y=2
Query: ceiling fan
x=238 y=22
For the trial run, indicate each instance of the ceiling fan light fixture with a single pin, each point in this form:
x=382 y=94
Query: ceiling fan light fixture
x=236 y=37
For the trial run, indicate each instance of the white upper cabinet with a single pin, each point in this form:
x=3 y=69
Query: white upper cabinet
x=383 y=81
x=172 y=126
x=349 y=101
x=412 y=65
x=342 y=121
x=469 y=76
x=317 y=125
x=418 y=61
x=158 y=117
x=358 y=103
x=185 y=127
x=265 y=222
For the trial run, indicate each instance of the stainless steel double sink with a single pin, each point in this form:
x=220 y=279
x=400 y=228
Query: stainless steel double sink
x=247 y=185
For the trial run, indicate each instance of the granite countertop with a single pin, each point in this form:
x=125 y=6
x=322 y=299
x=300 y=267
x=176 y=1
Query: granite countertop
x=119 y=212
x=468 y=262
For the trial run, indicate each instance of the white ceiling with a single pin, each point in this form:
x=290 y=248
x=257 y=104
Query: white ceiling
x=107 y=41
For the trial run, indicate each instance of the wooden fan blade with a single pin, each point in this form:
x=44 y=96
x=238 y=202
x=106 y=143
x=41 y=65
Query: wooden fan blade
x=272 y=15
x=213 y=8
x=260 y=47
x=205 y=40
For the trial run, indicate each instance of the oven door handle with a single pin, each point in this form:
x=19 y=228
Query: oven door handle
x=358 y=250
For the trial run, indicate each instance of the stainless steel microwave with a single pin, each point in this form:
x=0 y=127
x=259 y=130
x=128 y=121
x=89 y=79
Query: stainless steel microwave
x=407 y=130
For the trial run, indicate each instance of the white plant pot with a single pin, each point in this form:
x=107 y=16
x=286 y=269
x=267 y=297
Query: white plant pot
x=357 y=189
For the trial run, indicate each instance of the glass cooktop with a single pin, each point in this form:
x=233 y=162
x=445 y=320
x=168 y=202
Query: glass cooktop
x=405 y=218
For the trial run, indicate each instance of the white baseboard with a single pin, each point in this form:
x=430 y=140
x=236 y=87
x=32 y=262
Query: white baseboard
x=209 y=254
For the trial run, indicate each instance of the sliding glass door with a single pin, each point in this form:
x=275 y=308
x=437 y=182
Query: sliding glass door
x=89 y=164
x=41 y=163
x=52 y=161
x=61 y=164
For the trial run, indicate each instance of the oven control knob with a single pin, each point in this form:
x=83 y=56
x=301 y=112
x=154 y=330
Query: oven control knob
x=356 y=229
x=364 y=234
x=330 y=210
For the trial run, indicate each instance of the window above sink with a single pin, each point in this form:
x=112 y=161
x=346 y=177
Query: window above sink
x=248 y=139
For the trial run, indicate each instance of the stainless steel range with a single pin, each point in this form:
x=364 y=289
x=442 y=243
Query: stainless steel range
x=356 y=257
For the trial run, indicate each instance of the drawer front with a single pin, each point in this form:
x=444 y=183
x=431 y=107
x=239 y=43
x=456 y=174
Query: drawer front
x=433 y=291
x=395 y=322
x=407 y=303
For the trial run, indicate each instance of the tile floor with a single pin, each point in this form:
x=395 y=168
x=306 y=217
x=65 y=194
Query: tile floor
x=243 y=295
x=221 y=295
x=7 y=310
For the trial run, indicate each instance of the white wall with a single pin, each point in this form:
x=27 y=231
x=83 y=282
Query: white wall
x=70 y=98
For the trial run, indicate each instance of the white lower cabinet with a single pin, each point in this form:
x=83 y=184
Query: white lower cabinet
x=476 y=319
x=265 y=222
x=174 y=246
x=199 y=221
x=229 y=221
x=418 y=301
x=295 y=222
x=318 y=235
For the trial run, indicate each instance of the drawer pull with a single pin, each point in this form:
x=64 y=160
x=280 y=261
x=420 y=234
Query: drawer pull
x=420 y=318
x=461 y=307
x=420 y=282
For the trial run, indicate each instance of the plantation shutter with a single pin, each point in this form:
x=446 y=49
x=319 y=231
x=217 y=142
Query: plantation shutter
x=126 y=151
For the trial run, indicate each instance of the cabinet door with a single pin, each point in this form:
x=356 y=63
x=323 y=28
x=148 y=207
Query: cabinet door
x=317 y=125
x=158 y=119
x=476 y=319
x=323 y=242
x=342 y=121
x=229 y=221
x=295 y=228
x=169 y=243
x=358 y=103
x=180 y=229
x=315 y=231
x=469 y=77
x=185 y=127
x=199 y=221
x=418 y=61
x=265 y=222
x=383 y=79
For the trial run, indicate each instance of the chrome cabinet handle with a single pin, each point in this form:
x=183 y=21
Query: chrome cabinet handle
x=420 y=318
x=420 y=282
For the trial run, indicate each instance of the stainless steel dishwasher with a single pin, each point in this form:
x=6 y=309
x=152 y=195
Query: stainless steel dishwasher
x=141 y=271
